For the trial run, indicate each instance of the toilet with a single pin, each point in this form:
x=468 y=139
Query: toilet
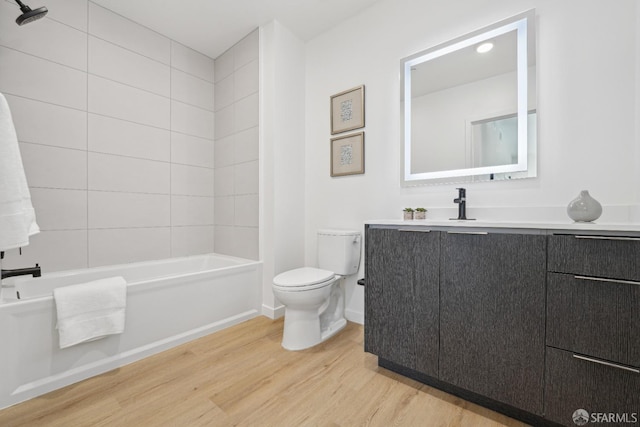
x=314 y=297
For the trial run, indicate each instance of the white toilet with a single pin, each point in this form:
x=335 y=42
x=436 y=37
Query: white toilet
x=314 y=297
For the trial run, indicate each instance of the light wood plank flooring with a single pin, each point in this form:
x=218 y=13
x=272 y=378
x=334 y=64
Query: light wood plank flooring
x=242 y=377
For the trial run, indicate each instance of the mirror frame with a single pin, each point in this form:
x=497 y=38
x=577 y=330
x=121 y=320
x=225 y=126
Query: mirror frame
x=524 y=25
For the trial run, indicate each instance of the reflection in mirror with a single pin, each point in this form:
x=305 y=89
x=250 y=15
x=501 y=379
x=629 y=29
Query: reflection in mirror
x=469 y=107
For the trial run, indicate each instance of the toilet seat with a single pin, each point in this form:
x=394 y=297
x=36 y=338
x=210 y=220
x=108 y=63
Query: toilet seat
x=302 y=279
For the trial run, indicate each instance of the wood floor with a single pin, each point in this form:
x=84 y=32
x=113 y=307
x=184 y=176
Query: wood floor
x=242 y=377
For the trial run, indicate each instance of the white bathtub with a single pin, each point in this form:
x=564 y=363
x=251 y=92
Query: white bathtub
x=169 y=302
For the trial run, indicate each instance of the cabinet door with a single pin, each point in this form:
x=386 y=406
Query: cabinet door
x=492 y=291
x=401 y=297
x=374 y=272
x=574 y=382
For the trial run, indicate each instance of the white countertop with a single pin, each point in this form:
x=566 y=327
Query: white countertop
x=567 y=225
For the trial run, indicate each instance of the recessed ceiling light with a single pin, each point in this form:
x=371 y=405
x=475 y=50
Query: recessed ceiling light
x=484 y=47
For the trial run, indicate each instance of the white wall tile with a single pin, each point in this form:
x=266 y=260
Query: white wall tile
x=191 y=150
x=191 y=181
x=48 y=124
x=246 y=114
x=223 y=181
x=124 y=210
x=224 y=122
x=53 y=167
x=247 y=145
x=118 y=246
x=192 y=120
x=246 y=242
x=223 y=237
x=122 y=65
x=53 y=250
x=70 y=12
x=60 y=209
x=187 y=241
x=246 y=50
x=192 y=62
x=117 y=100
x=246 y=80
x=36 y=78
x=245 y=177
x=224 y=92
x=192 y=210
x=48 y=40
x=224 y=65
x=126 y=174
x=116 y=136
x=121 y=31
x=224 y=151
x=246 y=210
x=192 y=90
x=224 y=211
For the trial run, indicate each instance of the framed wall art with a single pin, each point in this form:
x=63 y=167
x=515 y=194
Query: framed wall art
x=347 y=110
x=347 y=154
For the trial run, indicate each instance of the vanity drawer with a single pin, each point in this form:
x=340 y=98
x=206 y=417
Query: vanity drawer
x=594 y=317
x=600 y=256
x=574 y=382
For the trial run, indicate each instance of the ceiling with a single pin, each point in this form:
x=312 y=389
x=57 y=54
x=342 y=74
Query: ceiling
x=213 y=26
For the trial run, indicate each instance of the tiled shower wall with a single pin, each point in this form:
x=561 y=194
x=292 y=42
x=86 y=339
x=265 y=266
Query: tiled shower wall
x=116 y=129
x=236 y=149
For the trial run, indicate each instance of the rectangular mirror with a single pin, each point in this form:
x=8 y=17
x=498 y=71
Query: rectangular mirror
x=469 y=106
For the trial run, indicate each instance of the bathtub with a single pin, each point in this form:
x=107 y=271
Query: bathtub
x=169 y=302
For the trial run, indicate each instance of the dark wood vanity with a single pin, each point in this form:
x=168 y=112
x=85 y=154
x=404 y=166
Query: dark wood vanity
x=532 y=322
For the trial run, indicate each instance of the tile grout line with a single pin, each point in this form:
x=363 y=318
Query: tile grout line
x=87 y=140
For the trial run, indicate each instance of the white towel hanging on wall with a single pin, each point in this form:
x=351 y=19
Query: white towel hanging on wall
x=17 y=217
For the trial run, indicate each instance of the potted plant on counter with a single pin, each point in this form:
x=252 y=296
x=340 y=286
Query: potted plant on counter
x=421 y=213
x=408 y=213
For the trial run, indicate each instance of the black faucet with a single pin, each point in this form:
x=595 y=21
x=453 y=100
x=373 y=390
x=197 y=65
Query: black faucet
x=462 y=204
x=34 y=271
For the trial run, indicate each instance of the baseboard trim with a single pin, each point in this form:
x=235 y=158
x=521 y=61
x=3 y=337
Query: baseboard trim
x=354 y=316
x=271 y=312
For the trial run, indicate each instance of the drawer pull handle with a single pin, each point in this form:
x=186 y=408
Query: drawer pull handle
x=602 y=362
x=628 y=239
x=414 y=230
x=602 y=279
x=477 y=233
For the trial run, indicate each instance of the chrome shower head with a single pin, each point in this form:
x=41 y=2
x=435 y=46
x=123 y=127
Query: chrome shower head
x=29 y=15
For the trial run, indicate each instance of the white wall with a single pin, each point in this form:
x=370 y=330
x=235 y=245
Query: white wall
x=586 y=103
x=283 y=148
x=116 y=128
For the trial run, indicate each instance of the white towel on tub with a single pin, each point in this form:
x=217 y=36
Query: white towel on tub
x=90 y=311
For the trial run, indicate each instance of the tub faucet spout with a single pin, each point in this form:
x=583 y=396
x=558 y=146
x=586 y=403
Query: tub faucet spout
x=34 y=271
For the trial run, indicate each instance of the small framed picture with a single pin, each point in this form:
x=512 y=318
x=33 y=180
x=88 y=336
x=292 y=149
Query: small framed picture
x=347 y=155
x=347 y=110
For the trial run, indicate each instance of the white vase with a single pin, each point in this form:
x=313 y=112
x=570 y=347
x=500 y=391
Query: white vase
x=584 y=208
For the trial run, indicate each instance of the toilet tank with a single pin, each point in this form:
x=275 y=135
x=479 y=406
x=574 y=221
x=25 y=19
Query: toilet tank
x=339 y=251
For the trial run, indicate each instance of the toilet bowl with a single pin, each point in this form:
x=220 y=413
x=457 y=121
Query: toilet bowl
x=314 y=297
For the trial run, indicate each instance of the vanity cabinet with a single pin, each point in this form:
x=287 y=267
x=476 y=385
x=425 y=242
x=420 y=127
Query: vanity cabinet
x=401 y=298
x=534 y=323
x=593 y=326
x=492 y=304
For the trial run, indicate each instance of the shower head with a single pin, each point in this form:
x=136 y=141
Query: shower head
x=29 y=15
